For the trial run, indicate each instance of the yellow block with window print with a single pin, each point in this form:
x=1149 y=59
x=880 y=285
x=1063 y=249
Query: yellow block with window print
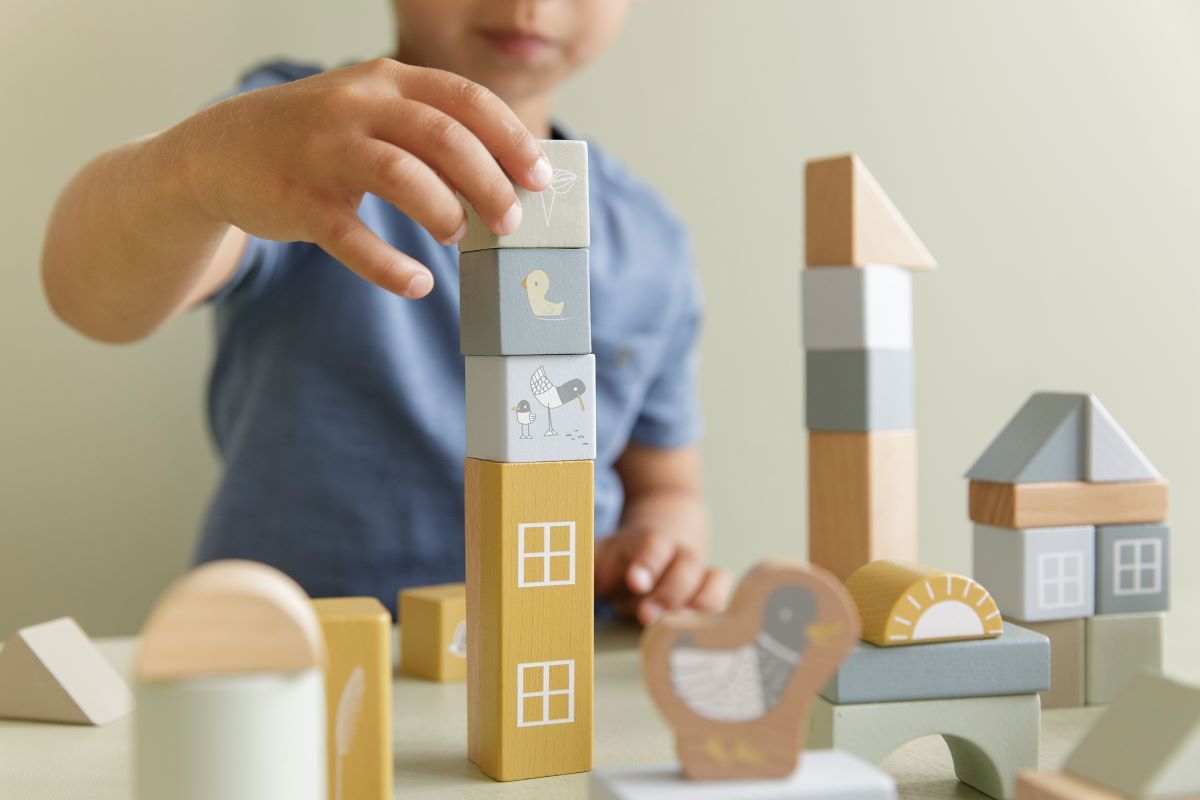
x=529 y=617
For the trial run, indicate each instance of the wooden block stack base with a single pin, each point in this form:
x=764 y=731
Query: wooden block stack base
x=1067 y=680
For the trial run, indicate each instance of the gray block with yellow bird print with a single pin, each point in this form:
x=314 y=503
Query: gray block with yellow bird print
x=531 y=408
x=525 y=301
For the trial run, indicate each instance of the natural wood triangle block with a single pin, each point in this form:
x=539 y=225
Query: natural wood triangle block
x=850 y=221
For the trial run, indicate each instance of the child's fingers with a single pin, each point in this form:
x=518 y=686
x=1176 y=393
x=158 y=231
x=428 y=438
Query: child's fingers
x=344 y=236
x=713 y=592
x=610 y=566
x=405 y=181
x=649 y=562
x=679 y=582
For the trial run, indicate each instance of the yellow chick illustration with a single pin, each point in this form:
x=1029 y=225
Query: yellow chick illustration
x=536 y=284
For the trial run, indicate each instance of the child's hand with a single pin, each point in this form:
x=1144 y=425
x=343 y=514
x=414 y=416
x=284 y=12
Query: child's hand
x=646 y=570
x=292 y=162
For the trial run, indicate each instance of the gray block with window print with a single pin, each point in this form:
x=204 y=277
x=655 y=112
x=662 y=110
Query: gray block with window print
x=1037 y=574
x=1132 y=568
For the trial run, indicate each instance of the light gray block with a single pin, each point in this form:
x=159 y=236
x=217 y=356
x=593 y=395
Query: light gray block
x=1037 y=574
x=1133 y=568
x=525 y=301
x=1016 y=662
x=822 y=775
x=1119 y=646
x=1112 y=455
x=859 y=390
x=531 y=408
x=554 y=217
x=854 y=308
x=1045 y=441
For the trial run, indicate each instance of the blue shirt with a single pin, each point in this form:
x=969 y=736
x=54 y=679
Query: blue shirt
x=338 y=408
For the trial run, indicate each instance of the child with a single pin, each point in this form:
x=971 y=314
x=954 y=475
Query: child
x=316 y=215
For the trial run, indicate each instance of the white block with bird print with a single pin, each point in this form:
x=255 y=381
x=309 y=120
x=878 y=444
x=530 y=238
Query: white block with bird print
x=531 y=408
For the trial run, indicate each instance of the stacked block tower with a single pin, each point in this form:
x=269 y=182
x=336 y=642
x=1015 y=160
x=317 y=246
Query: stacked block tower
x=857 y=313
x=531 y=441
x=1070 y=535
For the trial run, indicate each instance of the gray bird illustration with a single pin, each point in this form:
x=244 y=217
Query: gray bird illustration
x=525 y=417
x=744 y=683
x=554 y=396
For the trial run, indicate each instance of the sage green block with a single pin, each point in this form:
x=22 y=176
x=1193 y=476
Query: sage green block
x=1119 y=646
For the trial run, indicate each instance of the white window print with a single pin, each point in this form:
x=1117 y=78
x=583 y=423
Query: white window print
x=1137 y=567
x=545 y=693
x=547 y=554
x=1060 y=580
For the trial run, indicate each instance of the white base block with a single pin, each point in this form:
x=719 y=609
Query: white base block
x=822 y=774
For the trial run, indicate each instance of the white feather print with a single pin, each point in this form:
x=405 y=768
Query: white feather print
x=721 y=685
x=348 y=711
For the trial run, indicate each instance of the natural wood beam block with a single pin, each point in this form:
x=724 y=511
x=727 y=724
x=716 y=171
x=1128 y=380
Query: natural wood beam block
x=1059 y=786
x=433 y=624
x=862 y=498
x=1036 y=505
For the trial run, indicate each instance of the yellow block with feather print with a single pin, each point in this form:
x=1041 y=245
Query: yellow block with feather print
x=358 y=697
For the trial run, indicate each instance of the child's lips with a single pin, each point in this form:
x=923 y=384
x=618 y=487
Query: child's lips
x=515 y=44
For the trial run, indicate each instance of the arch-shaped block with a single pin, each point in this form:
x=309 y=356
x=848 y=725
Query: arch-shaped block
x=990 y=738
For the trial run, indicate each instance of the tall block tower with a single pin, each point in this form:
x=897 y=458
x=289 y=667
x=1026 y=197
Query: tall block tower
x=531 y=443
x=857 y=319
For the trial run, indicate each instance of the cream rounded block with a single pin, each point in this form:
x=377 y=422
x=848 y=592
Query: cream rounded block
x=238 y=737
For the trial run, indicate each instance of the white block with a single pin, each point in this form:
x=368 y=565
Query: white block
x=854 y=308
x=822 y=774
x=1038 y=574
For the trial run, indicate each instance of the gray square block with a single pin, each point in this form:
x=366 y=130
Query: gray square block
x=1037 y=574
x=555 y=217
x=1133 y=568
x=525 y=301
x=531 y=408
x=1016 y=662
x=859 y=390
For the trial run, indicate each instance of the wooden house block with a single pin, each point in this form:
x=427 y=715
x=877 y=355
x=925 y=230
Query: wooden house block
x=862 y=498
x=858 y=390
x=554 y=217
x=433 y=632
x=1048 y=785
x=857 y=309
x=1133 y=568
x=230 y=693
x=1038 y=574
x=1119 y=647
x=1147 y=744
x=736 y=686
x=990 y=738
x=903 y=602
x=53 y=673
x=358 y=697
x=849 y=220
x=529 y=617
x=531 y=408
x=1017 y=662
x=822 y=775
x=524 y=301
x=1067 y=678
x=1034 y=505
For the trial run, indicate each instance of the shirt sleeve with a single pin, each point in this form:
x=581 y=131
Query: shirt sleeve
x=670 y=414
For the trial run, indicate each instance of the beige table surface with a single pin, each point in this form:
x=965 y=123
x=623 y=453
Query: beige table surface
x=61 y=762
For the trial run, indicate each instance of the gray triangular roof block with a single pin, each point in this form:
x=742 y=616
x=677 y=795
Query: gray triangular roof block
x=1147 y=744
x=1112 y=455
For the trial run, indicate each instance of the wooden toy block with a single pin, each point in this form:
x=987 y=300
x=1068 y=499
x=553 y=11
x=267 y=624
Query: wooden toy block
x=736 y=686
x=1067 y=679
x=1038 y=574
x=1147 y=744
x=433 y=632
x=1034 y=505
x=858 y=390
x=1112 y=455
x=529 y=617
x=554 y=217
x=990 y=738
x=1120 y=646
x=1045 y=441
x=358 y=697
x=849 y=220
x=53 y=673
x=862 y=498
x=1059 y=786
x=1133 y=568
x=822 y=775
x=531 y=408
x=524 y=301
x=230 y=693
x=902 y=603
x=1017 y=662
x=856 y=309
